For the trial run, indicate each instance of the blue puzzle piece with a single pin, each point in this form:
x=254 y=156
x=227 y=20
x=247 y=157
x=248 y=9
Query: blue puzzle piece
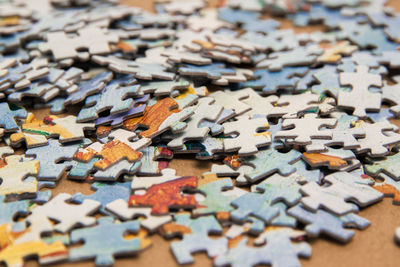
x=81 y=170
x=328 y=79
x=268 y=161
x=270 y=81
x=49 y=157
x=237 y=16
x=88 y=88
x=94 y=239
x=106 y=193
x=9 y=210
x=327 y=223
x=198 y=239
x=7 y=118
x=112 y=97
x=264 y=26
x=211 y=71
x=243 y=255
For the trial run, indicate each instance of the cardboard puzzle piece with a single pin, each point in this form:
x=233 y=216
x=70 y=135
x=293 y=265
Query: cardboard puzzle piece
x=281 y=250
x=384 y=115
x=225 y=99
x=343 y=187
x=177 y=56
x=14 y=172
x=112 y=97
x=218 y=197
x=390 y=94
x=306 y=128
x=269 y=161
x=91 y=38
x=228 y=171
x=167 y=175
x=159 y=117
x=261 y=202
x=205 y=110
x=260 y=106
x=115 y=171
x=195 y=237
x=291 y=106
x=151 y=166
x=343 y=134
x=137 y=109
x=183 y=7
x=88 y=88
x=212 y=71
x=299 y=56
x=15 y=251
x=162 y=196
x=115 y=233
x=105 y=193
x=387 y=165
x=120 y=208
x=49 y=156
x=67 y=215
x=328 y=82
x=7 y=120
x=360 y=98
x=123 y=146
x=269 y=82
x=249 y=136
x=322 y=222
x=140 y=70
x=378 y=138
x=66 y=129
x=11 y=209
x=216 y=126
x=243 y=255
x=208 y=19
x=334 y=159
x=281 y=188
x=160 y=88
x=389 y=188
x=333 y=52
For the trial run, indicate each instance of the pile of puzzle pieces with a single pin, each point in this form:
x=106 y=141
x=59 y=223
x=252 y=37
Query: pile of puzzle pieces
x=296 y=125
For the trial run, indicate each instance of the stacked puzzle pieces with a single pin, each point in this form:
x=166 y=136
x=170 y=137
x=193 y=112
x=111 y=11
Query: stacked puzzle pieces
x=297 y=127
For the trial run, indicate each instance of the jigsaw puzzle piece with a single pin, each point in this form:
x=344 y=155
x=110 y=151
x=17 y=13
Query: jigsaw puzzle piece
x=205 y=110
x=162 y=196
x=137 y=109
x=59 y=210
x=322 y=222
x=389 y=188
x=105 y=193
x=9 y=114
x=14 y=172
x=195 y=237
x=113 y=97
x=249 y=135
x=49 y=156
x=387 y=165
x=360 y=81
x=159 y=117
x=270 y=82
x=114 y=234
x=120 y=208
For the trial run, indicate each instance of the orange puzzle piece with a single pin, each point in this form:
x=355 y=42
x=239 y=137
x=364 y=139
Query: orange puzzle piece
x=165 y=195
x=153 y=116
x=111 y=153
